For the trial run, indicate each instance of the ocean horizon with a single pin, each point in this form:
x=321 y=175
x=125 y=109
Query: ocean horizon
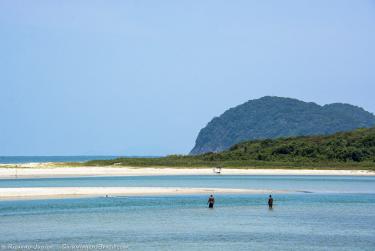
x=60 y=158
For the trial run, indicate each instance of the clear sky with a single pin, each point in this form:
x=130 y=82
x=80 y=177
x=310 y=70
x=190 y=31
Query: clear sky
x=143 y=77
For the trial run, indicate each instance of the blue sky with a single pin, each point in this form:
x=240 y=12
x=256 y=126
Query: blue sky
x=143 y=77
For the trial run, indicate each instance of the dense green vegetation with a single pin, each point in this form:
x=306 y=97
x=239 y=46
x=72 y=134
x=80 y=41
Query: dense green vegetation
x=355 y=146
x=275 y=117
x=347 y=150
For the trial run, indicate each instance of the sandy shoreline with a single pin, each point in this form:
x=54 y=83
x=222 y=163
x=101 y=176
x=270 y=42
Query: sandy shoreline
x=36 y=170
x=73 y=192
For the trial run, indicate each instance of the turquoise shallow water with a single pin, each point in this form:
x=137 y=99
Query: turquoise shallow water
x=308 y=221
x=326 y=184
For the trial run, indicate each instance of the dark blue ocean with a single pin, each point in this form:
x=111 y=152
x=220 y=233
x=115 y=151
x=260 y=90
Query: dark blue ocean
x=43 y=159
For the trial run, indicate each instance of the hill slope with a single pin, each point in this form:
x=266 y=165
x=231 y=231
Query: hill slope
x=355 y=146
x=274 y=117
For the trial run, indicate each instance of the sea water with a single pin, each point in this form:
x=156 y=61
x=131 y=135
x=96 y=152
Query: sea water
x=337 y=213
x=319 y=183
x=43 y=159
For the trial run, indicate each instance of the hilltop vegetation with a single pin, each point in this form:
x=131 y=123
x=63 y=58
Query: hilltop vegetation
x=356 y=146
x=348 y=150
x=275 y=117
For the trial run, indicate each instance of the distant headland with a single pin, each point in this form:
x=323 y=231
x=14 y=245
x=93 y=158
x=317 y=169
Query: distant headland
x=275 y=117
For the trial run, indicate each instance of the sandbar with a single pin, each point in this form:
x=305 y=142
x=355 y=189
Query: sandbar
x=49 y=171
x=73 y=192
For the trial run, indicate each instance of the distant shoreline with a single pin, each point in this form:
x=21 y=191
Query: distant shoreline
x=48 y=170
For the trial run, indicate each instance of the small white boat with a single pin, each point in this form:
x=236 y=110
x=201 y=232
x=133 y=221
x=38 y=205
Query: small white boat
x=217 y=170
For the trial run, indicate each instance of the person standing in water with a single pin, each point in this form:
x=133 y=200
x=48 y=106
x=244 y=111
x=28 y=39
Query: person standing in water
x=211 y=201
x=270 y=202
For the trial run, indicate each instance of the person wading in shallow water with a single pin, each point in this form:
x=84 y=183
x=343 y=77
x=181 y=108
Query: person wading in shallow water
x=211 y=201
x=270 y=202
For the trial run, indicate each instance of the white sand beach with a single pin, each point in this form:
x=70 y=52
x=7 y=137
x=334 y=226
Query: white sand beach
x=72 y=192
x=45 y=170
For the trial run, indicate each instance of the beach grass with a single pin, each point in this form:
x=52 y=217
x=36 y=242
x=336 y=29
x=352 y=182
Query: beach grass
x=353 y=150
x=192 y=162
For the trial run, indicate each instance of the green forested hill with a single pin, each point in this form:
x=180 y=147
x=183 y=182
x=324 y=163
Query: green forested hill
x=355 y=146
x=350 y=150
x=274 y=117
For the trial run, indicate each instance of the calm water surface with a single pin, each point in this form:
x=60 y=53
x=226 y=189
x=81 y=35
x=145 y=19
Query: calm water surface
x=326 y=184
x=338 y=215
